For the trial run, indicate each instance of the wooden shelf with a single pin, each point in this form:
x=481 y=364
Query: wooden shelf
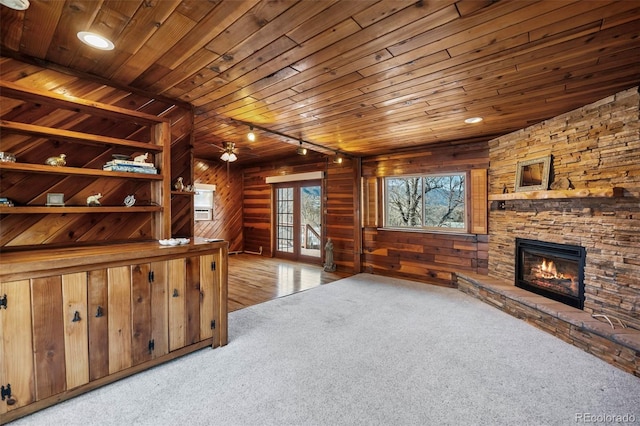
x=41 y=168
x=183 y=193
x=72 y=103
x=560 y=194
x=86 y=138
x=77 y=209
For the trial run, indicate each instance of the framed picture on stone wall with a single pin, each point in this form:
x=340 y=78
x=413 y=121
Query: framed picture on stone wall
x=533 y=174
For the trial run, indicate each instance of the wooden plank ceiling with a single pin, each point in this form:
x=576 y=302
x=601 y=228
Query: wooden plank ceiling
x=363 y=77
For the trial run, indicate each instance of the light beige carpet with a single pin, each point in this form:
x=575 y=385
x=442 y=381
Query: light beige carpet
x=367 y=350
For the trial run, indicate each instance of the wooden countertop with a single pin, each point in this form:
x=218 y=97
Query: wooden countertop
x=51 y=261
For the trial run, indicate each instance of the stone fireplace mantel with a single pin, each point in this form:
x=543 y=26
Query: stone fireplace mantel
x=560 y=194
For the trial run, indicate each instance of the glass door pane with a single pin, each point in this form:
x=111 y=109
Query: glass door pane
x=310 y=238
x=284 y=220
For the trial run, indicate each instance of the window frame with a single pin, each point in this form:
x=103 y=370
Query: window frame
x=427 y=229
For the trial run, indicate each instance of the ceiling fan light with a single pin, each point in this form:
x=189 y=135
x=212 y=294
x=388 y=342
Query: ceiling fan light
x=225 y=156
x=16 y=4
x=95 y=40
x=232 y=157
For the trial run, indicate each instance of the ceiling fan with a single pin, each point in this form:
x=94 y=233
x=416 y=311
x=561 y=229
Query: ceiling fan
x=228 y=153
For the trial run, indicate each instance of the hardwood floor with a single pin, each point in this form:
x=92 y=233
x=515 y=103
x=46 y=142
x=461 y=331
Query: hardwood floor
x=255 y=279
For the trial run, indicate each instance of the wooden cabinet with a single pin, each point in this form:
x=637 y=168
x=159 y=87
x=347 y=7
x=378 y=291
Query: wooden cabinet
x=87 y=147
x=74 y=319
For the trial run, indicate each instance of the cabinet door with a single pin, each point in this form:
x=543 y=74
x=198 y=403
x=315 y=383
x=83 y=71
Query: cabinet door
x=119 y=318
x=16 y=352
x=48 y=336
x=149 y=311
x=208 y=301
x=98 y=309
x=160 y=309
x=140 y=313
x=177 y=306
x=76 y=332
x=192 y=300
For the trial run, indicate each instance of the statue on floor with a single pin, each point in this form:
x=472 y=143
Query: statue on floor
x=329 y=266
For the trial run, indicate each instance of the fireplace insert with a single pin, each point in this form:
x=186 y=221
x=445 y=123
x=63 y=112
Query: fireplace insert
x=552 y=270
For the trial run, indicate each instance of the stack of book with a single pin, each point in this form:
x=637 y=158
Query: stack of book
x=130 y=166
x=6 y=202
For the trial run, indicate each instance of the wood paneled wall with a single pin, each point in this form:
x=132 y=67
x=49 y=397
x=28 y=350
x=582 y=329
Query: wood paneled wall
x=243 y=205
x=226 y=222
x=62 y=229
x=424 y=256
x=342 y=220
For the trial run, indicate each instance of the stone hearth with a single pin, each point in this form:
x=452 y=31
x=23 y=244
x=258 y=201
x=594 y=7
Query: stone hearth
x=618 y=346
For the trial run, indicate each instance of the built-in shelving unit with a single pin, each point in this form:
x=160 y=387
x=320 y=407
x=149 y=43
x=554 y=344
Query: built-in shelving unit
x=27 y=181
x=560 y=194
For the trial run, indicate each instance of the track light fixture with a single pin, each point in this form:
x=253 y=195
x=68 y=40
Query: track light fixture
x=302 y=150
x=339 y=158
x=251 y=136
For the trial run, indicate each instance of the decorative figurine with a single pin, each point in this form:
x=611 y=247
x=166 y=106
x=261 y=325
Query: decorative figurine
x=179 y=185
x=94 y=200
x=329 y=266
x=129 y=200
x=57 y=161
x=141 y=158
x=55 y=199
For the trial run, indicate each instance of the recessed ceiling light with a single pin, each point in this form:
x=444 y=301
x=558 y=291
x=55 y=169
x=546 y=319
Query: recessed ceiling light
x=16 y=4
x=95 y=40
x=472 y=120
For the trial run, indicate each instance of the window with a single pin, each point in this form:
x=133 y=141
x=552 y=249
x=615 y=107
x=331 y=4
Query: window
x=426 y=202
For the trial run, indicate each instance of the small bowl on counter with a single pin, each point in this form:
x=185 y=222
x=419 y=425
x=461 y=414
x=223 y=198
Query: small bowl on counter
x=174 y=241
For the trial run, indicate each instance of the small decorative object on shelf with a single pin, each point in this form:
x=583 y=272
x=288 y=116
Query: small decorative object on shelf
x=57 y=161
x=55 y=199
x=7 y=157
x=94 y=200
x=141 y=158
x=129 y=200
x=6 y=202
x=179 y=185
x=561 y=183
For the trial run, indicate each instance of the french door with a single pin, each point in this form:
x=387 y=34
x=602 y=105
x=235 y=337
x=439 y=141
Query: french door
x=298 y=218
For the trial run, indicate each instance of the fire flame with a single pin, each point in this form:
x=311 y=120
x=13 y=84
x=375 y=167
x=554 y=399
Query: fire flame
x=547 y=270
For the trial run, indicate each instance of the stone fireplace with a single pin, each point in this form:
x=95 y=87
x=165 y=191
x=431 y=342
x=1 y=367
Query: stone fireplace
x=594 y=148
x=552 y=270
x=593 y=203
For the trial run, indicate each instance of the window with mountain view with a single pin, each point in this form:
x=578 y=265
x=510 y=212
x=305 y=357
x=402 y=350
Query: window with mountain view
x=426 y=202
